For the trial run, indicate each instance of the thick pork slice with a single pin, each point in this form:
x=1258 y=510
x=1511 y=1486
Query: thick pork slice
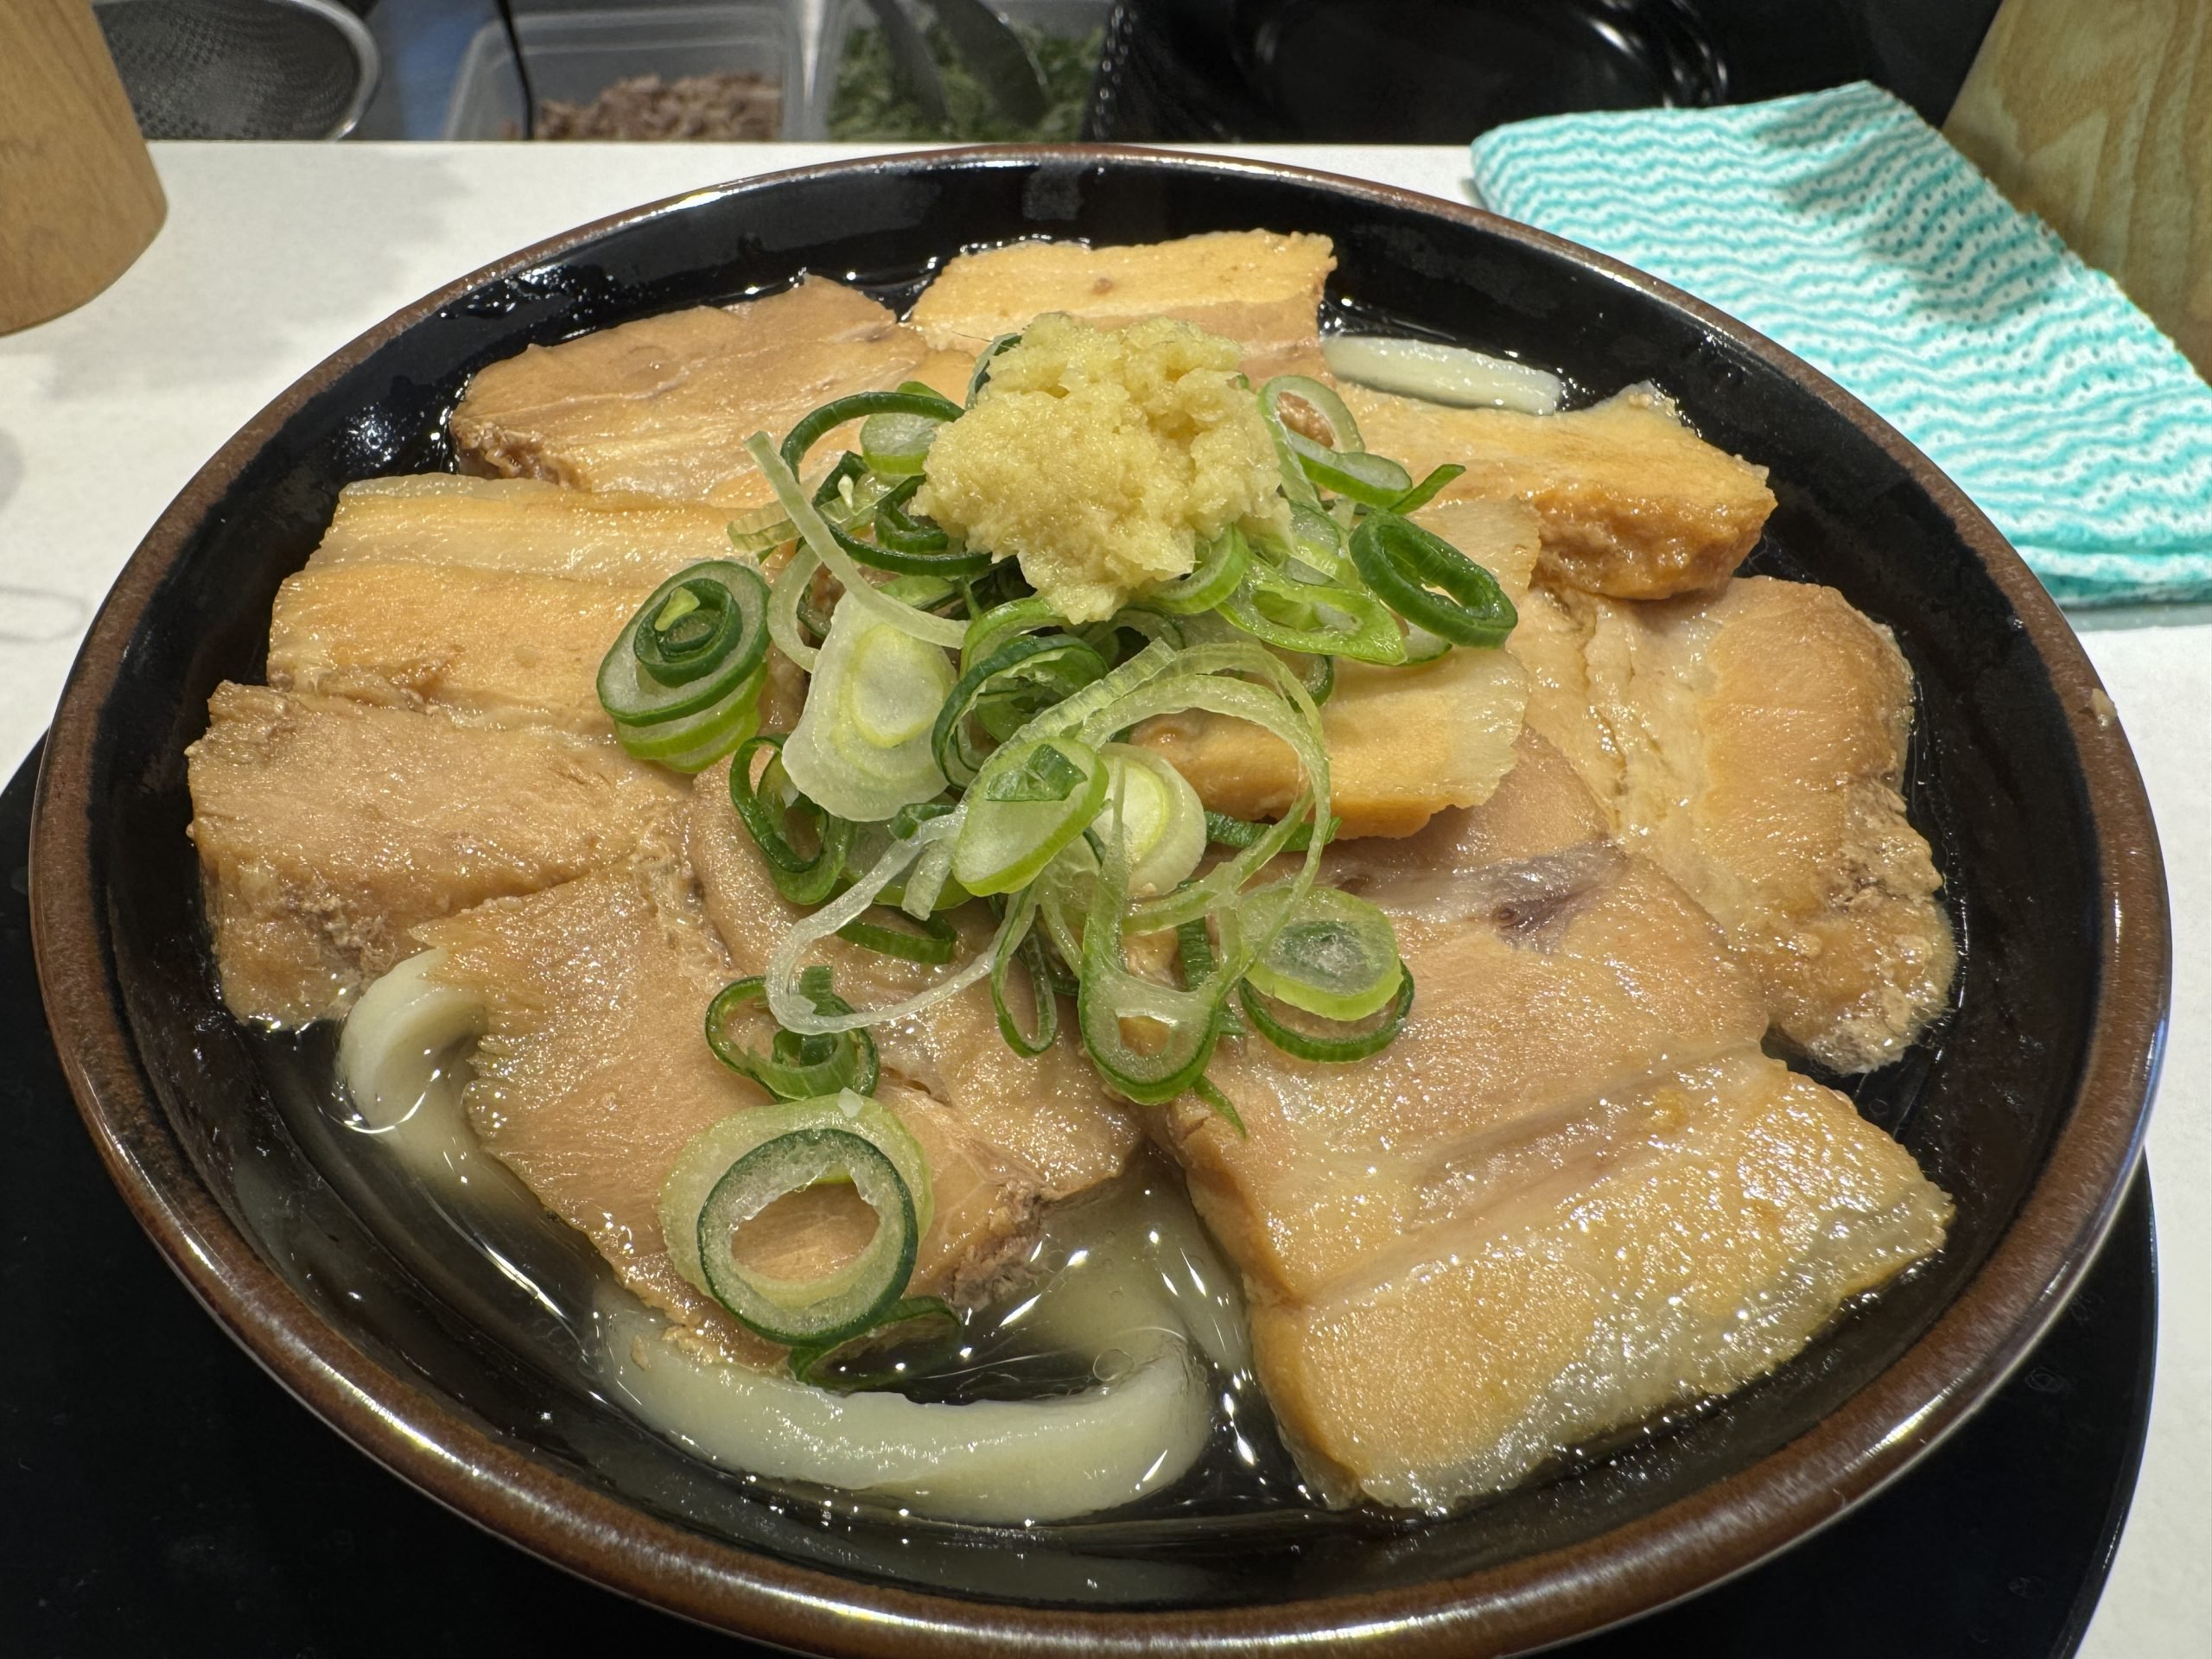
x=1052 y=1114
x=1572 y=1192
x=500 y=646
x=593 y=1074
x=663 y=406
x=1760 y=737
x=1404 y=743
x=1256 y=287
x=329 y=827
x=523 y=526
x=1634 y=503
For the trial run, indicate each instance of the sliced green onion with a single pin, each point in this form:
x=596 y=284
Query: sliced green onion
x=697 y=741
x=761 y=529
x=1357 y=476
x=1194 y=949
x=1219 y=1104
x=861 y=748
x=1020 y=938
x=795 y=1067
x=1404 y=564
x=1163 y=821
x=931 y=940
x=993 y=627
x=896 y=530
x=767 y=812
x=1004 y=691
x=895 y=443
x=981 y=375
x=1427 y=490
x=1220 y=566
x=786 y=595
x=824 y=544
x=1286 y=609
x=843 y=1302
x=910 y=1321
x=1343 y=431
x=794 y=1012
x=701 y=1209
x=1029 y=801
x=811 y=429
x=1242 y=832
x=1333 y=954
x=717 y=618
x=1333 y=1050
x=1320 y=540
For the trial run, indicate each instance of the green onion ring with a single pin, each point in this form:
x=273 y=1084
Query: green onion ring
x=1333 y=1051
x=1367 y=633
x=1220 y=567
x=937 y=940
x=1053 y=664
x=1020 y=938
x=801 y=880
x=811 y=1065
x=810 y=429
x=895 y=529
x=929 y=1317
x=1427 y=490
x=1403 y=562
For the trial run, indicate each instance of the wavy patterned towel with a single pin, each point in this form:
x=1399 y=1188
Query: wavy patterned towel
x=1846 y=227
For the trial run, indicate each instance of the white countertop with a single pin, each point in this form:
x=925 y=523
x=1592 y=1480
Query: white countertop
x=276 y=255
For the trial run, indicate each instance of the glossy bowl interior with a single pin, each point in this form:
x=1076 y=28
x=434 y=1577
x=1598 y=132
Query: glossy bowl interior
x=2025 y=1104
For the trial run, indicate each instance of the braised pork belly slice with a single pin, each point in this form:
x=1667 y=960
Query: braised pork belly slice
x=593 y=1074
x=500 y=646
x=329 y=827
x=1052 y=1114
x=1404 y=743
x=1259 y=289
x=1571 y=1194
x=1753 y=743
x=663 y=406
x=1634 y=503
x=520 y=525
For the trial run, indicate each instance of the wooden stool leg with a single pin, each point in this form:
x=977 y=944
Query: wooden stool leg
x=78 y=199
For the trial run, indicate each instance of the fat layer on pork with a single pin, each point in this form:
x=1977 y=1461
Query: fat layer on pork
x=1259 y=289
x=663 y=406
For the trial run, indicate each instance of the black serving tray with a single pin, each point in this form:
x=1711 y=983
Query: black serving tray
x=159 y=1494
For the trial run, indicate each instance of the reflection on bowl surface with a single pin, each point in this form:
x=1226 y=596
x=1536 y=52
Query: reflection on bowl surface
x=460 y=1365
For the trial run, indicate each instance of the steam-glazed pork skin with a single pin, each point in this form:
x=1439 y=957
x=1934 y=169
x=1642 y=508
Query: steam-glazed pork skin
x=1572 y=1192
x=663 y=406
x=1634 y=503
x=591 y=1078
x=1260 y=289
x=329 y=827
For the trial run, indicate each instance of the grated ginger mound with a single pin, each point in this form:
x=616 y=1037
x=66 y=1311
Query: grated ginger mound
x=1101 y=459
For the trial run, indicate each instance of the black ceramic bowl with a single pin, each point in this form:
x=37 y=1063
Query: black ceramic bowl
x=2027 y=1104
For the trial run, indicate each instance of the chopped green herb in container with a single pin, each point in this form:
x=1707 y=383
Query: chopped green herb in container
x=870 y=104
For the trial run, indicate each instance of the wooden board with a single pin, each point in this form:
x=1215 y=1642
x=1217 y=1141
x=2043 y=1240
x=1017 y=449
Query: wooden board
x=2097 y=115
x=79 y=201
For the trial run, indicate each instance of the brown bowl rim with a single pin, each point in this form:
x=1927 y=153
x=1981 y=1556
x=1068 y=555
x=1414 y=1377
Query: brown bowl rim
x=1673 y=1552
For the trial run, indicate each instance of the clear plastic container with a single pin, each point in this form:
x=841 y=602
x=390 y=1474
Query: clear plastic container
x=839 y=18
x=575 y=55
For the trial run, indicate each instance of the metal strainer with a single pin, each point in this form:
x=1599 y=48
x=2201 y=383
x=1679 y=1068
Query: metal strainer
x=240 y=69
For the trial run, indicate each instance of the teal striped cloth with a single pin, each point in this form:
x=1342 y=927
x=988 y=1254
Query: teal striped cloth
x=1844 y=226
